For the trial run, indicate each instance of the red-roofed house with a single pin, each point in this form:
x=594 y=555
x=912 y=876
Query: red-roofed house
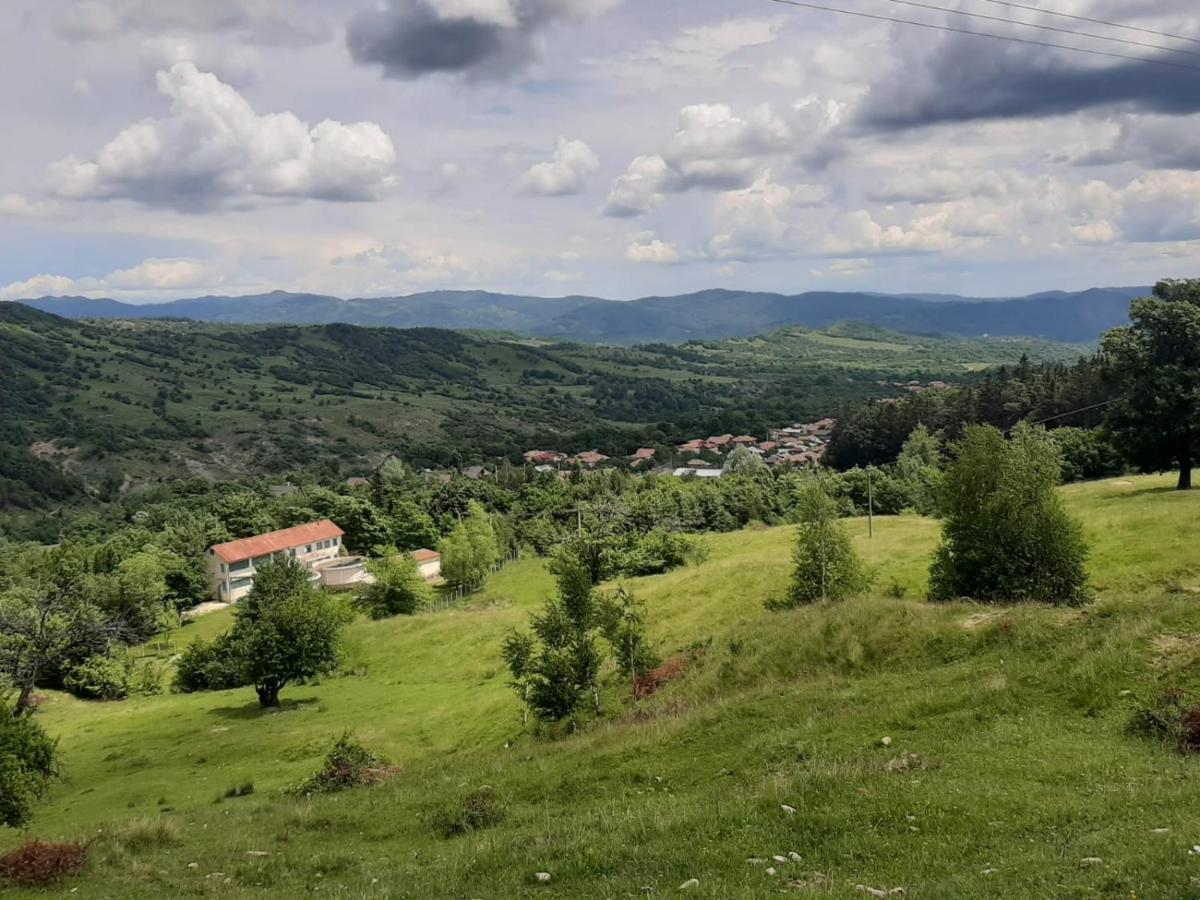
x=429 y=563
x=589 y=458
x=232 y=566
x=643 y=456
x=745 y=440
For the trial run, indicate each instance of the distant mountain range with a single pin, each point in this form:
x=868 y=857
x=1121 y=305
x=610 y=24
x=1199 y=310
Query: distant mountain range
x=1080 y=316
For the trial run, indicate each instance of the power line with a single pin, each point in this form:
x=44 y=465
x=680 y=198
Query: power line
x=1076 y=411
x=988 y=34
x=1063 y=15
x=1055 y=28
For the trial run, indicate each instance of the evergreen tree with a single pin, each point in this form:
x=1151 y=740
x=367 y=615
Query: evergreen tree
x=1006 y=535
x=919 y=468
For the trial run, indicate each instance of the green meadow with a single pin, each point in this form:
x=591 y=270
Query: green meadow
x=878 y=744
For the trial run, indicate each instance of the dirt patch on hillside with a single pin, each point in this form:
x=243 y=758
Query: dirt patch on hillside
x=1173 y=652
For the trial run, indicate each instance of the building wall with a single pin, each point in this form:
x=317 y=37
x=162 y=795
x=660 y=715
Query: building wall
x=430 y=569
x=230 y=583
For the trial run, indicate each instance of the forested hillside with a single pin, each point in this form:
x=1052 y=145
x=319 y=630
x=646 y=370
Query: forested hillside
x=98 y=407
x=1059 y=315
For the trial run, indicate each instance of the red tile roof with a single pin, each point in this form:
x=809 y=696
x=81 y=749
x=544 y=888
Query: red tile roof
x=262 y=544
x=425 y=555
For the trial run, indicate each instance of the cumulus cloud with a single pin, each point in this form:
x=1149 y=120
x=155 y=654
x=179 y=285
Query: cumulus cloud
x=212 y=148
x=151 y=275
x=478 y=38
x=263 y=21
x=939 y=185
x=564 y=173
x=713 y=148
x=754 y=221
x=37 y=286
x=645 y=248
x=641 y=189
x=859 y=234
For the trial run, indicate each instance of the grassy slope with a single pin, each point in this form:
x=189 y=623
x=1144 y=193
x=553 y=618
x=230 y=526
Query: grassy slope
x=1015 y=718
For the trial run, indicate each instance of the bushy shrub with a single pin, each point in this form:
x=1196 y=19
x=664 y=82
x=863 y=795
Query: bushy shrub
x=477 y=810
x=398 y=589
x=348 y=764
x=27 y=763
x=1006 y=535
x=210 y=666
x=105 y=676
x=37 y=864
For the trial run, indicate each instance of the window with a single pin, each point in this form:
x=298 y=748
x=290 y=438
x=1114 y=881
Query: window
x=308 y=549
x=239 y=583
x=240 y=566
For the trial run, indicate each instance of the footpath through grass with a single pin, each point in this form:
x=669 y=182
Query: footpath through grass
x=1007 y=771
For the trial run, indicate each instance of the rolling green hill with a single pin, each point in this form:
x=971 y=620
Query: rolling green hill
x=1007 y=770
x=109 y=405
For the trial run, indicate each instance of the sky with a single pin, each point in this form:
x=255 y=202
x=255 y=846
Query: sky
x=156 y=149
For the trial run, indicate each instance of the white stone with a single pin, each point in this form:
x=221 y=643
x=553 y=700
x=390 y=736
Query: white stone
x=790 y=810
x=887 y=742
x=543 y=877
x=690 y=884
x=794 y=856
x=770 y=870
x=1091 y=861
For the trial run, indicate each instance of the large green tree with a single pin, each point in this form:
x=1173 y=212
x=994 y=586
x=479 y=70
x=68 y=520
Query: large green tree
x=1006 y=535
x=286 y=630
x=398 y=588
x=1156 y=362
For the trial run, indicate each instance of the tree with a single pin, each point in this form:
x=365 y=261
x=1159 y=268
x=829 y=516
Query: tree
x=27 y=763
x=825 y=566
x=286 y=630
x=44 y=626
x=1006 y=535
x=471 y=549
x=919 y=469
x=555 y=668
x=1156 y=363
x=743 y=461
x=623 y=623
x=398 y=589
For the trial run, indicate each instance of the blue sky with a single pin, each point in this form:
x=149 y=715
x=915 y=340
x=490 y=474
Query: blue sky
x=165 y=148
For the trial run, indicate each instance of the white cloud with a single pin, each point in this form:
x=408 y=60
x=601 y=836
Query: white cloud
x=37 y=286
x=18 y=206
x=648 y=249
x=213 y=148
x=859 y=234
x=264 y=21
x=754 y=221
x=564 y=173
x=713 y=148
x=1101 y=232
x=641 y=189
x=151 y=275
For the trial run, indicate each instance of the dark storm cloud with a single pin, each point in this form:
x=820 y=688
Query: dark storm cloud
x=410 y=38
x=968 y=79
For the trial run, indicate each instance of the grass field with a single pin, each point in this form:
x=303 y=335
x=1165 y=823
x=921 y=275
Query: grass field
x=1008 y=771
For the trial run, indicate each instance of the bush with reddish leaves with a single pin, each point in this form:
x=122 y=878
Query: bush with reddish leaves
x=36 y=864
x=1189 y=727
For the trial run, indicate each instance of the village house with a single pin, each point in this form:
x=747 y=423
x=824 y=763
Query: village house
x=692 y=472
x=720 y=442
x=429 y=563
x=544 y=457
x=745 y=440
x=589 y=458
x=644 y=456
x=233 y=565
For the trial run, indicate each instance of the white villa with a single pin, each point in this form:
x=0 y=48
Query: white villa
x=232 y=566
